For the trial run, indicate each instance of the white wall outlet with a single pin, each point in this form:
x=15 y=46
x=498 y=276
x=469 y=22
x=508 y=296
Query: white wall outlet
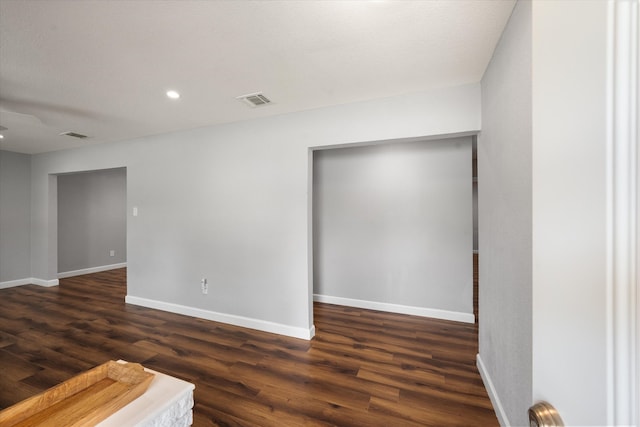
x=204 y=285
x=112 y=253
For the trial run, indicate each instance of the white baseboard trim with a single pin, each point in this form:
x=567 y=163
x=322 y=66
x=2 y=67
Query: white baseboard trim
x=397 y=308
x=46 y=283
x=13 y=283
x=245 y=322
x=28 y=281
x=98 y=269
x=491 y=391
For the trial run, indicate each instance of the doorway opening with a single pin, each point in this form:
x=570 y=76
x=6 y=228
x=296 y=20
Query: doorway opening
x=91 y=221
x=392 y=227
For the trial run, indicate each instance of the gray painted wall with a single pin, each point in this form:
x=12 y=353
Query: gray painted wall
x=504 y=203
x=92 y=216
x=15 y=216
x=393 y=224
x=230 y=202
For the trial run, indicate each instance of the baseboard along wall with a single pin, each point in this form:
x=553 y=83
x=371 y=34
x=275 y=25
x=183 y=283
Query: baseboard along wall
x=397 y=308
x=56 y=282
x=491 y=391
x=29 y=281
x=90 y=270
x=245 y=322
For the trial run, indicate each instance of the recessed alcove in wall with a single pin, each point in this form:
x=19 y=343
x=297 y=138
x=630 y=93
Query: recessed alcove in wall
x=91 y=221
x=393 y=227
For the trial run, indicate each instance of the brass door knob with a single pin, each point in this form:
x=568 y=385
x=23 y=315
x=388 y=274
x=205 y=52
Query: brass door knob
x=542 y=414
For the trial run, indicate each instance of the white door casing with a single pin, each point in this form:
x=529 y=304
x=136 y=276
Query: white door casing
x=622 y=214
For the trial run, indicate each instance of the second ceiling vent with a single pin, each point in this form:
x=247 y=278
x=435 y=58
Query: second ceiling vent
x=255 y=99
x=74 y=135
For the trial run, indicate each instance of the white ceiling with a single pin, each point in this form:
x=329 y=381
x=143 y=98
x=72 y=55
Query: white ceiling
x=101 y=68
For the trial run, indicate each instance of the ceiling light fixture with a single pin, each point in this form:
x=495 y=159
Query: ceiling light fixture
x=1 y=136
x=173 y=94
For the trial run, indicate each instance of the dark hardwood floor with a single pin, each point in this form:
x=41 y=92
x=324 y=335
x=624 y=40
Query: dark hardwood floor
x=363 y=368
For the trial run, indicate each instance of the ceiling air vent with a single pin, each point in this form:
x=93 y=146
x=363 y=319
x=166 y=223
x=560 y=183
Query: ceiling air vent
x=74 y=134
x=255 y=99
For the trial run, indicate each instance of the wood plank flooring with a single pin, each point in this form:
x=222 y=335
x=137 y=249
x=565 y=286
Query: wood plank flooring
x=363 y=368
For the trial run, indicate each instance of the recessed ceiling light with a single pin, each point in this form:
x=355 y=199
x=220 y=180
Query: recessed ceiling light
x=1 y=136
x=173 y=94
